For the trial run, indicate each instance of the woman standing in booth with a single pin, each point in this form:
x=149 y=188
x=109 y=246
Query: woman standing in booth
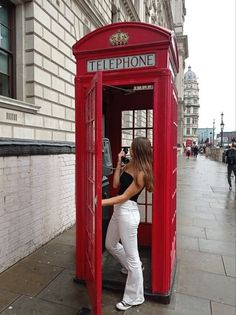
x=123 y=226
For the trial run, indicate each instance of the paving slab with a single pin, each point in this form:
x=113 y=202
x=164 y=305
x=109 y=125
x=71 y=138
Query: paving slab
x=28 y=277
x=67 y=237
x=223 y=205
x=214 y=224
x=56 y=254
x=26 y=305
x=207 y=285
x=184 y=220
x=206 y=207
x=215 y=196
x=202 y=261
x=226 y=217
x=198 y=214
x=221 y=234
x=63 y=290
x=187 y=243
x=230 y=265
x=186 y=203
x=6 y=298
x=218 y=247
x=222 y=309
x=191 y=231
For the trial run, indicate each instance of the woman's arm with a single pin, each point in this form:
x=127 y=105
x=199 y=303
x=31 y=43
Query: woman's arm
x=116 y=177
x=132 y=190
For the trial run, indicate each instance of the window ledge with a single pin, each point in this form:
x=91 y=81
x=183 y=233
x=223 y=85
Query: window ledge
x=14 y=104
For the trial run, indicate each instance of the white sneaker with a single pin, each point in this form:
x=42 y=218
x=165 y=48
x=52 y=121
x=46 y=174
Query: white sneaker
x=123 y=306
x=124 y=271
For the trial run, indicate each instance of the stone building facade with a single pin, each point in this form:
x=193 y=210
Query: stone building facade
x=191 y=100
x=37 y=123
x=179 y=12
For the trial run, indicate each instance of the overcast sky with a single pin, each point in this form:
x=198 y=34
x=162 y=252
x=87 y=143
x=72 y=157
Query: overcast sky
x=210 y=27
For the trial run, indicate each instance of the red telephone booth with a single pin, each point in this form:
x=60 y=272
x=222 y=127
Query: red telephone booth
x=125 y=87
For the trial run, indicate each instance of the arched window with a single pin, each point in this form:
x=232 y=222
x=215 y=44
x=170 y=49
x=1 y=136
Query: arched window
x=7 y=45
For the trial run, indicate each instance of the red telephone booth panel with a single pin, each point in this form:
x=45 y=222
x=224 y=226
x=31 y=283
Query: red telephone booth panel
x=125 y=87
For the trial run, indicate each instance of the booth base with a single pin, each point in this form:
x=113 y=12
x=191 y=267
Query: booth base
x=113 y=279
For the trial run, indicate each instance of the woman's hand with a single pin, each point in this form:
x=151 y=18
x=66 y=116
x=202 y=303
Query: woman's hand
x=116 y=177
x=122 y=153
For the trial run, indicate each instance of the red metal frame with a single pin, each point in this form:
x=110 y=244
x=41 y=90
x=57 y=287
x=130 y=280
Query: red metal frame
x=93 y=215
x=161 y=234
x=89 y=189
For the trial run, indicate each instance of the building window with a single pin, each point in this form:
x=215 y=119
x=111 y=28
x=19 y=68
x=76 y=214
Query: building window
x=194 y=131
x=188 y=110
x=6 y=48
x=114 y=13
x=188 y=131
x=188 y=120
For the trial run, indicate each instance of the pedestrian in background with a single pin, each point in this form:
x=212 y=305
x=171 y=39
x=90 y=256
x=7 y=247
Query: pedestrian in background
x=195 y=151
x=231 y=163
x=188 y=151
x=131 y=179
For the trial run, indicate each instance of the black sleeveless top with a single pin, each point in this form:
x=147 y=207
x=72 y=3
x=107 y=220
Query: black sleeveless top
x=125 y=181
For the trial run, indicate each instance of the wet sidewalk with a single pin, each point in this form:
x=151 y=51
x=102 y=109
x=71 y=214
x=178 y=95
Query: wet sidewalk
x=42 y=283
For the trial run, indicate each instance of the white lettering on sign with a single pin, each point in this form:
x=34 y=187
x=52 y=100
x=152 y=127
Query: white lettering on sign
x=117 y=63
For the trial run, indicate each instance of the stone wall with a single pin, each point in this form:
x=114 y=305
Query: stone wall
x=216 y=154
x=37 y=202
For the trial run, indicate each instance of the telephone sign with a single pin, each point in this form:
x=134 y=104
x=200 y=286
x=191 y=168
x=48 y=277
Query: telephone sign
x=118 y=63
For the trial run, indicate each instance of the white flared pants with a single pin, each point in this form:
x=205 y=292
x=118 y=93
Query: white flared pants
x=124 y=226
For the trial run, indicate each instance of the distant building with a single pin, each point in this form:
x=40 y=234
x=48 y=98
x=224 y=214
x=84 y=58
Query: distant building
x=228 y=137
x=191 y=101
x=205 y=135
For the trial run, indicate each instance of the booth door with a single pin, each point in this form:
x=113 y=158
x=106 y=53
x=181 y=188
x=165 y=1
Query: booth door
x=93 y=191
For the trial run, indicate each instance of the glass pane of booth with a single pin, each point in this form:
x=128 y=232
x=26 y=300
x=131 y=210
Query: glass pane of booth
x=149 y=214
x=127 y=119
x=140 y=118
x=149 y=118
x=127 y=138
x=142 y=197
x=150 y=135
x=149 y=197
x=142 y=210
x=140 y=133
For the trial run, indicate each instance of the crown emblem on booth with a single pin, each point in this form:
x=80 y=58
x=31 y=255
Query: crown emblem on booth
x=119 y=38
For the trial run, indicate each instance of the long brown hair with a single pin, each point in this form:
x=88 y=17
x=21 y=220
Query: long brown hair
x=142 y=160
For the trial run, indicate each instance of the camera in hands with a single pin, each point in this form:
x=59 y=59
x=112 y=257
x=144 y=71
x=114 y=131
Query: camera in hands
x=124 y=159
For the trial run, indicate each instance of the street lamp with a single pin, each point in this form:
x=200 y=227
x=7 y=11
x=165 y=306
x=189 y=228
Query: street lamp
x=213 y=133
x=221 y=128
